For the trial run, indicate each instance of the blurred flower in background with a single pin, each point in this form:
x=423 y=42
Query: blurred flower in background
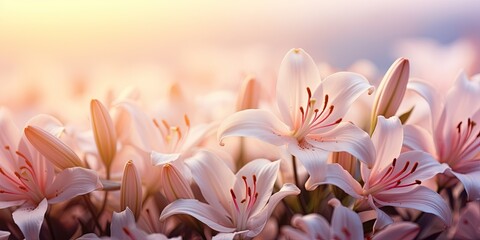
x=75 y=51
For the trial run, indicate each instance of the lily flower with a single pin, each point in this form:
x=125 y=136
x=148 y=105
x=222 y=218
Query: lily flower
x=29 y=179
x=124 y=227
x=310 y=115
x=395 y=179
x=159 y=142
x=235 y=204
x=454 y=138
x=345 y=224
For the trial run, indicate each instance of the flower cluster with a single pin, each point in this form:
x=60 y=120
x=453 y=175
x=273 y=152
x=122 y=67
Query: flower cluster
x=335 y=158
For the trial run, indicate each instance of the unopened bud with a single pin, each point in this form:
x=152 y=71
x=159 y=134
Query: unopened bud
x=131 y=190
x=249 y=94
x=390 y=93
x=104 y=133
x=175 y=185
x=52 y=148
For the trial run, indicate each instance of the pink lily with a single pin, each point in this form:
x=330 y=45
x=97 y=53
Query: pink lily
x=395 y=179
x=236 y=204
x=310 y=115
x=467 y=225
x=29 y=180
x=124 y=227
x=157 y=141
x=454 y=138
x=345 y=224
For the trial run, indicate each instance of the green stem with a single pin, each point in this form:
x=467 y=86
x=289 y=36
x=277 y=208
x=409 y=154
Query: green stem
x=297 y=182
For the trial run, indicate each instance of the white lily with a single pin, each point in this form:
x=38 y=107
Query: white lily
x=311 y=111
x=236 y=204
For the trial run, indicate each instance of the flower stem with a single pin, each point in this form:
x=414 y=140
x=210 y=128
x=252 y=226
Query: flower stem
x=92 y=210
x=297 y=182
x=49 y=224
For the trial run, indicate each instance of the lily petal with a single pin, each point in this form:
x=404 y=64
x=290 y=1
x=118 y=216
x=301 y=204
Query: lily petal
x=420 y=198
x=297 y=72
x=121 y=220
x=89 y=236
x=10 y=136
x=346 y=224
x=398 y=231
x=467 y=225
x=464 y=92
x=197 y=134
x=72 y=182
x=428 y=92
x=214 y=179
x=159 y=159
x=124 y=227
x=417 y=138
x=30 y=218
x=54 y=150
x=47 y=123
x=265 y=173
x=314 y=160
x=343 y=88
x=135 y=127
x=469 y=175
x=257 y=123
x=388 y=140
x=346 y=137
x=4 y=235
x=339 y=177
x=382 y=218
x=203 y=212
x=228 y=236
x=257 y=222
x=312 y=224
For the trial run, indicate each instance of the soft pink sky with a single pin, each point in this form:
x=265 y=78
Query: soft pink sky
x=51 y=50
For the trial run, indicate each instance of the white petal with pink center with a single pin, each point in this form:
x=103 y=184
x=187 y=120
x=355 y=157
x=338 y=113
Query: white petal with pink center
x=235 y=203
x=394 y=178
x=455 y=132
x=310 y=114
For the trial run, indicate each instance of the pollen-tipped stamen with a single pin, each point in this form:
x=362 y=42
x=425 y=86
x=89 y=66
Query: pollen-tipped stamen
x=234 y=198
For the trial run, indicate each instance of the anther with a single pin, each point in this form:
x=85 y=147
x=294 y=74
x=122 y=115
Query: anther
x=187 y=121
x=415 y=165
x=418 y=182
x=309 y=93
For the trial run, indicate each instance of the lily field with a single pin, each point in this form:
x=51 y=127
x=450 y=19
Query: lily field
x=226 y=120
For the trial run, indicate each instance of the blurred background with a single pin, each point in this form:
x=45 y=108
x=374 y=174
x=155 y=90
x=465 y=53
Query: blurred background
x=57 y=55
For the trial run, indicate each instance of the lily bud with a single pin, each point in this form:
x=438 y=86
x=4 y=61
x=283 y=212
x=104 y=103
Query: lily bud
x=54 y=150
x=131 y=190
x=249 y=94
x=390 y=93
x=175 y=185
x=104 y=133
